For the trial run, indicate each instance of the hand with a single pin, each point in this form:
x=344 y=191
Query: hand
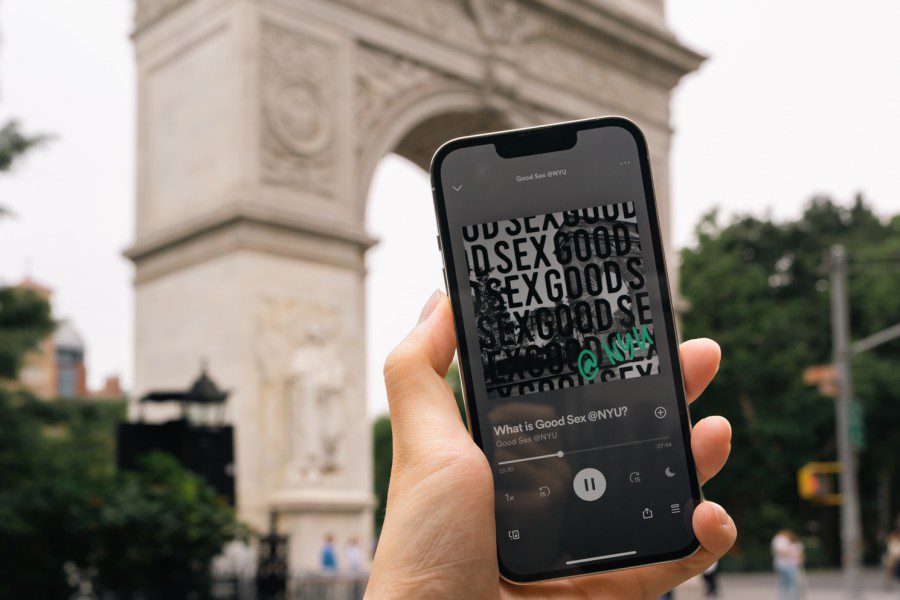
x=438 y=539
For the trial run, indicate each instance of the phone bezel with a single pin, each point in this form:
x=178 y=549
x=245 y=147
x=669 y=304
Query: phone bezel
x=526 y=138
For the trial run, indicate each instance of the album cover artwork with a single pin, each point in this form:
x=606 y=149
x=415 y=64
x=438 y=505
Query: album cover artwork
x=560 y=300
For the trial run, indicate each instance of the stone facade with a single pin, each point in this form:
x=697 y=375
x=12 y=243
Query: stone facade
x=260 y=124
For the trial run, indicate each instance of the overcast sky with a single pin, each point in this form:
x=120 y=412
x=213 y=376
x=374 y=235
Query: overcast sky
x=797 y=98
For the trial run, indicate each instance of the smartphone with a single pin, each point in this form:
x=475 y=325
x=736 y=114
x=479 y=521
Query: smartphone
x=567 y=346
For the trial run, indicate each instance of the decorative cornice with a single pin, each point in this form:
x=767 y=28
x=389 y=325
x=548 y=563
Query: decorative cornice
x=247 y=225
x=580 y=22
x=648 y=50
x=147 y=12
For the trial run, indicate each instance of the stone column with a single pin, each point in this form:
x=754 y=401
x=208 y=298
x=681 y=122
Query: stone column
x=248 y=252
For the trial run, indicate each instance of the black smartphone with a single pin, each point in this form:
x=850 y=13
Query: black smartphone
x=567 y=347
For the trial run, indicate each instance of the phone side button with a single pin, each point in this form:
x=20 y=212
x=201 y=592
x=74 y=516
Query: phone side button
x=446 y=281
x=440 y=248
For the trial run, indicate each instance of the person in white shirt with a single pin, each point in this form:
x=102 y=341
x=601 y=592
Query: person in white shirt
x=353 y=556
x=787 y=558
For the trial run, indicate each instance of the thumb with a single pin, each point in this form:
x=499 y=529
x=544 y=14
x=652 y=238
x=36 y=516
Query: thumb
x=423 y=409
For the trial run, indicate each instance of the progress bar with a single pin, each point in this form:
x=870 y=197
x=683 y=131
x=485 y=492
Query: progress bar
x=605 y=556
x=560 y=454
x=554 y=455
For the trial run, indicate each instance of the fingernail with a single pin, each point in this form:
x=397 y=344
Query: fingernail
x=721 y=515
x=430 y=305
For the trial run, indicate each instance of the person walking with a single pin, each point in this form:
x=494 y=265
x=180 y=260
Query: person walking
x=328 y=555
x=353 y=556
x=711 y=580
x=787 y=558
x=355 y=564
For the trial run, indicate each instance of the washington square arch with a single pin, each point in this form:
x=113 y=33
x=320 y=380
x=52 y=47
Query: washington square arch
x=260 y=125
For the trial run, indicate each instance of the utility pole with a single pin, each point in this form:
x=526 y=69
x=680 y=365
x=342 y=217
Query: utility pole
x=851 y=542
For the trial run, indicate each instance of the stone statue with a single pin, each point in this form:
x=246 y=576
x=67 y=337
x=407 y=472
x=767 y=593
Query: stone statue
x=316 y=402
x=301 y=390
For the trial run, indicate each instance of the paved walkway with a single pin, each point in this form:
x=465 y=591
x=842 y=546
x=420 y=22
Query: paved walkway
x=823 y=585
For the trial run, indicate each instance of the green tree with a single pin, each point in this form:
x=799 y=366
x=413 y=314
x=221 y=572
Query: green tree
x=159 y=529
x=757 y=287
x=25 y=320
x=63 y=502
x=13 y=145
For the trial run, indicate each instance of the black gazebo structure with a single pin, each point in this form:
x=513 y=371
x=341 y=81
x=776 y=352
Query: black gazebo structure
x=199 y=438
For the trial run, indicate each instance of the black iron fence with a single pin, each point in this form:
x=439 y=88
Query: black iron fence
x=304 y=586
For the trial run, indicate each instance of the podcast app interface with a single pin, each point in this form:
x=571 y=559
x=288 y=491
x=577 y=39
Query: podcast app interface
x=568 y=353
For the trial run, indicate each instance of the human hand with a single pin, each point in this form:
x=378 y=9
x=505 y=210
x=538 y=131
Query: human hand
x=438 y=539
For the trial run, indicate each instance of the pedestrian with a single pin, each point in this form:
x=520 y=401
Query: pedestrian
x=328 y=555
x=787 y=558
x=711 y=579
x=353 y=556
x=892 y=559
x=355 y=563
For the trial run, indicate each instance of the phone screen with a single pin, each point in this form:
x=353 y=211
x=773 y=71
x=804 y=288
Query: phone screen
x=567 y=348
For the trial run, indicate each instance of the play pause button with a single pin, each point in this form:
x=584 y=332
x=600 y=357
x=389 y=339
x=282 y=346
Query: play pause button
x=589 y=484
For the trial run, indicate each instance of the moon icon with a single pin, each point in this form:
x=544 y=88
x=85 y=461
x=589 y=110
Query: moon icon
x=669 y=472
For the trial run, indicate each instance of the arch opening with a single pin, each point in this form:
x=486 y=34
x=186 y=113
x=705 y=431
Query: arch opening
x=404 y=267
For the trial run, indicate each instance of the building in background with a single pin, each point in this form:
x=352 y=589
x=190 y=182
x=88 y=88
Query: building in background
x=56 y=368
x=68 y=358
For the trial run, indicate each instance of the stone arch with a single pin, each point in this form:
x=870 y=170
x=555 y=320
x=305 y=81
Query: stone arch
x=419 y=122
x=259 y=127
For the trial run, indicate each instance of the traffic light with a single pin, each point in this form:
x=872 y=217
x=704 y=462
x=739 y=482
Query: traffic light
x=816 y=482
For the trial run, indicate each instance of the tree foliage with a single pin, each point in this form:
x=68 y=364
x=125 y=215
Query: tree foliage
x=14 y=144
x=757 y=287
x=25 y=320
x=62 y=502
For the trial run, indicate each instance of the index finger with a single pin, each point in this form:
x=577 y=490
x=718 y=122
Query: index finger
x=700 y=360
x=421 y=403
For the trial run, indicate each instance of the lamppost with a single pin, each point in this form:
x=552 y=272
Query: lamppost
x=851 y=543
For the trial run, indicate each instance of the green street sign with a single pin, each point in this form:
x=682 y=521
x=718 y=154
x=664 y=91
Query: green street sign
x=857 y=426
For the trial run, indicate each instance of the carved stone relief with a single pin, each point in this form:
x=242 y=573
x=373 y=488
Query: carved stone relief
x=302 y=395
x=298 y=124
x=503 y=22
x=591 y=79
x=382 y=77
x=448 y=20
